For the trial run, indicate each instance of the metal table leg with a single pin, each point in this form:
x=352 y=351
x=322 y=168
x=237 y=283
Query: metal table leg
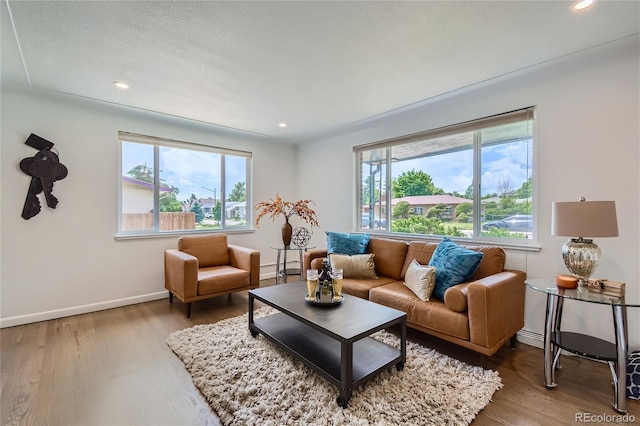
x=278 y=267
x=551 y=320
x=620 y=376
x=284 y=266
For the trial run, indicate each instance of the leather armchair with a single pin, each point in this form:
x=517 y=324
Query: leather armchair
x=206 y=266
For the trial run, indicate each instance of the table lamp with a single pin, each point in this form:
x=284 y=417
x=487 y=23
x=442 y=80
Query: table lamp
x=578 y=220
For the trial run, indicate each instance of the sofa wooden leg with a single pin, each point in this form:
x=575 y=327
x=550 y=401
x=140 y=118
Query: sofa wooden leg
x=512 y=342
x=170 y=297
x=229 y=298
x=189 y=310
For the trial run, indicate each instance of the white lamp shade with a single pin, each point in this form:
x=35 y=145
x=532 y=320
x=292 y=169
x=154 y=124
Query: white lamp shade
x=584 y=219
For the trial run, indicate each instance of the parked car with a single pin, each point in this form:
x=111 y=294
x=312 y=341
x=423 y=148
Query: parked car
x=377 y=223
x=515 y=223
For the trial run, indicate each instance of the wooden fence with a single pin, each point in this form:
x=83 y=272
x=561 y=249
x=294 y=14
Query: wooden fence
x=168 y=221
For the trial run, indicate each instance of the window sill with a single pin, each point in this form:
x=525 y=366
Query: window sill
x=173 y=234
x=522 y=245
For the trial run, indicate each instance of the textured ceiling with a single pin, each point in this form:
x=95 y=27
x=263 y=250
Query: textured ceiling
x=319 y=66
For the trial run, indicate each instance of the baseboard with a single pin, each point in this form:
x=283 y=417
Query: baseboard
x=93 y=307
x=531 y=338
x=83 y=309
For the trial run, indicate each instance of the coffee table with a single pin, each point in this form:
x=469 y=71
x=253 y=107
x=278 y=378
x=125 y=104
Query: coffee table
x=332 y=340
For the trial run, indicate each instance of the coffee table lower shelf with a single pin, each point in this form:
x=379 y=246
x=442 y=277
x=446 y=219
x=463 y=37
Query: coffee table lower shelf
x=323 y=353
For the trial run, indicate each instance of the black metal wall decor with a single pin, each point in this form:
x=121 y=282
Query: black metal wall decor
x=44 y=168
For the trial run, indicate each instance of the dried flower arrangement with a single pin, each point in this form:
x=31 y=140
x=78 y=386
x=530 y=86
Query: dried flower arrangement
x=278 y=207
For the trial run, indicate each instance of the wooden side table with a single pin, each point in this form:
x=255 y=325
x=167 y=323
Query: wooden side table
x=555 y=340
x=284 y=272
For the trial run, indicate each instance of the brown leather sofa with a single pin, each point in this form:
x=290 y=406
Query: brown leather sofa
x=481 y=315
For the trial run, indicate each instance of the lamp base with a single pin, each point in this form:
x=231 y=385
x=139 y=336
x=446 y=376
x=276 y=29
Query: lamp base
x=581 y=257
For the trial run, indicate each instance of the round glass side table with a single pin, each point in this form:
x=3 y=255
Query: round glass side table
x=555 y=340
x=282 y=274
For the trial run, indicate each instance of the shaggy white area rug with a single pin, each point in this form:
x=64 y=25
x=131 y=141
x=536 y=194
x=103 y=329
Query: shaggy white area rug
x=249 y=381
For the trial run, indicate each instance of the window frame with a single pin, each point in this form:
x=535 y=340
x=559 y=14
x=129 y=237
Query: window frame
x=527 y=114
x=157 y=143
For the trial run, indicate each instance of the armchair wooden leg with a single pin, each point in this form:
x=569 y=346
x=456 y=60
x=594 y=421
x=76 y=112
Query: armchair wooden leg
x=512 y=342
x=189 y=310
x=484 y=360
x=229 y=297
x=170 y=297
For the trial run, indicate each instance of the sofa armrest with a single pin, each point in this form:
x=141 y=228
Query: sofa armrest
x=310 y=255
x=247 y=259
x=496 y=307
x=180 y=273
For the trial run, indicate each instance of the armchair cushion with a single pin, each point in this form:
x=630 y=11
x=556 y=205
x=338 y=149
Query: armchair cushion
x=210 y=249
x=218 y=279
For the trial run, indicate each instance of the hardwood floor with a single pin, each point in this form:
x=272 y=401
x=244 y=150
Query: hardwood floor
x=113 y=367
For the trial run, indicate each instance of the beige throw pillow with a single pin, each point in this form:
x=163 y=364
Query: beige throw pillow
x=420 y=279
x=354 y=266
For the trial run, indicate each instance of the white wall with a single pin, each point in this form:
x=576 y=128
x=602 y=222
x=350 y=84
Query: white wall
x=587 y=144
x=66 y=261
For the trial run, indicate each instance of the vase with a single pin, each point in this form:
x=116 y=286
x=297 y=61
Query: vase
x=287 y=230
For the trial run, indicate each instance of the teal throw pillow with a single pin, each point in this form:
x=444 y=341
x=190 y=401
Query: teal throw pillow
x=347 y=243
x=454 y=265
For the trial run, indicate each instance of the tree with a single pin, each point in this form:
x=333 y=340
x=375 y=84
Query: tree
x=239 y=192
x=465 y=208
x=196 y=208
x=168 y=200
x=468 y=194
x=525 y=190
x=142 y=172
x=438 y=210
x=401 y=210
x=217 y=209
x=414 y=183
x=504 y=187
x=189 y=202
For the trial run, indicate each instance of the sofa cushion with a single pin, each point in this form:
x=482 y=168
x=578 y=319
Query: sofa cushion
x=210 y=249
x=356 y=266
x=420 y=280
x=493 y=261
x=390 y=255
x=432 y=314
x=453 y=264
x=420 y=251
x=347 y=243
x=361 y=287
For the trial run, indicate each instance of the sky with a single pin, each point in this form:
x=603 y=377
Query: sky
x=192 y=172
x=198 y=172
x=454 y=171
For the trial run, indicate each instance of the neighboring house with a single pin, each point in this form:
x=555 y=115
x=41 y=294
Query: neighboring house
x=420 y=204
x=208 y=204
x=235 y=209
x=137 y=195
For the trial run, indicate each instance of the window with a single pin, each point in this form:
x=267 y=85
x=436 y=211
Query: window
x=169 y=186
x=471 y=180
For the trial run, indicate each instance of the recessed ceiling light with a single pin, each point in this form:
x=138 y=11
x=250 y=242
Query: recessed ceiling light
x=121 y=84
x=583 y=4
x=283 y=125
